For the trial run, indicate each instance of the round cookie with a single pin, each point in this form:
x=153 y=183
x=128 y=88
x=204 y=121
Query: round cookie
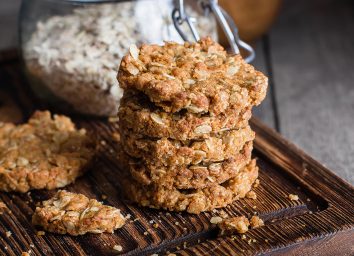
x=45 y=153
x=167 y=152
x=188 y=177
x=195 y=200
x=198 y=77
x=142 y=118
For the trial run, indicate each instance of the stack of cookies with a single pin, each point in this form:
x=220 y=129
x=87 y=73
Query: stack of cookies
x=184 y=125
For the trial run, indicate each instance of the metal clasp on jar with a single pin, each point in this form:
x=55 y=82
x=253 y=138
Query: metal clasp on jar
x=179 y=17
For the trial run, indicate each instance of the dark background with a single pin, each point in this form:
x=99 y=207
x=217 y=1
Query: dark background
x=309 y=57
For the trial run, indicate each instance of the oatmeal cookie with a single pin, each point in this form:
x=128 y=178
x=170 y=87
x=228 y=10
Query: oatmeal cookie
x=143 y=118
x=193 y=200
x=45 y=153
x=198 y=77
x=167 y=152
x=188 y=177
x=76 y=214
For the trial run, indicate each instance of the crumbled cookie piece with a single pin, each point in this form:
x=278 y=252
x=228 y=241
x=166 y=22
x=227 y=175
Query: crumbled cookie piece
x=216 y=148
x=141 y=117
x=193 y=200
x=233 y=225
x=118 y=248
x=187 y=177
x=256 y=222
x=251 y=195
x=76 y=214
x=45 y=153
x=293 y=197
x=215 y=220
x=198 y=77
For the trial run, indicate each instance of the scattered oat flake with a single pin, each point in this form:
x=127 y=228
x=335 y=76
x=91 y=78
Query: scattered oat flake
x=293 y=197
x=146 y=233
x=8 y=233
x=243 y=237
x=256 y=222
x=118 y=248
x=215 y=220
x=156 y=225
x=155 y=254
x=40 y=233
x=176 y=223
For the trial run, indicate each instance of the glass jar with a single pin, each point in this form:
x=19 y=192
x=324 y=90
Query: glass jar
x=72 y=49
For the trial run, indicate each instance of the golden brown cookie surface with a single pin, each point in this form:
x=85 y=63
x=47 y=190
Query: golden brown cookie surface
x=198 y=77
x=44 y=153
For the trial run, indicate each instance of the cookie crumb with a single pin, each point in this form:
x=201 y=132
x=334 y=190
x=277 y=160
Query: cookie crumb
x=232 y=225
x=40 y=233
x=256 y=222
x=146 y=233
x=256 y=183
x=104 y=197
x=118 y=248
x=26 y=253
x=156 y=225
x=8 y=233
x=215 y=220
x=293 y=197
x=251 y=195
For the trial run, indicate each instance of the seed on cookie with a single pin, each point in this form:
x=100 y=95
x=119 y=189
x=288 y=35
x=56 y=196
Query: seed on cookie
x=45 y=153
x=75 y=214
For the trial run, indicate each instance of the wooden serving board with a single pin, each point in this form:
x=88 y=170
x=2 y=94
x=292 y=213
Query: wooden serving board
x=321 y=222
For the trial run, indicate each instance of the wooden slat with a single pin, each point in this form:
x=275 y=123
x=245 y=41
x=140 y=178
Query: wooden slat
x=313 y=59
